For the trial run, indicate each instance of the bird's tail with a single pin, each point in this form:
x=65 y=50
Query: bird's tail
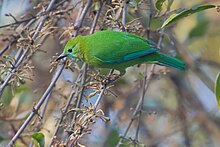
x=171 y=61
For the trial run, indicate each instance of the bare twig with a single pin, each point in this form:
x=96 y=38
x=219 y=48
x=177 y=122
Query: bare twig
x=81 y=18
x=5 y=48
x=47 y=92
x=18 y=22
x=79 y=99
x=139 y=111
x=124 y=12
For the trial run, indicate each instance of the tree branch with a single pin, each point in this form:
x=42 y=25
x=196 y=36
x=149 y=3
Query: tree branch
x=38 y=105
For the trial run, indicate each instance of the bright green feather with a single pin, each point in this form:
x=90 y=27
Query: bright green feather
x=118 y=50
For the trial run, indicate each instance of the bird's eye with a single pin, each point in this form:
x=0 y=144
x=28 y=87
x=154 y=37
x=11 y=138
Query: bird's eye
x=70 y=50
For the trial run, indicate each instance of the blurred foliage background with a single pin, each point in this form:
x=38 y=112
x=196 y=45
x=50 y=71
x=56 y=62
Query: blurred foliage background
x=179 y=108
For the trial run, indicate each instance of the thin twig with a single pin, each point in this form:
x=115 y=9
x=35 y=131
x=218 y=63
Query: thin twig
x=99 y=97
x=18 y=22
x=73 y=92
x=5 y=48
x=34 y=112
x=79 y=22
x=85 y=66
x=141 y=103
x=95 y=106
x=79 y=99
x=124 y=12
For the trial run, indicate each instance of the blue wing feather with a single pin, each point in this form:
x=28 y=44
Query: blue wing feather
x=131 y=56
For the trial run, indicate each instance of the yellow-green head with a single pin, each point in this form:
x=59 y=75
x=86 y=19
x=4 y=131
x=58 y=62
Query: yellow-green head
x=71 y=49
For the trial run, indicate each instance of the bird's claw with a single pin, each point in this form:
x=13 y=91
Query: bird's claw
x=107 y=81
x=110 y=79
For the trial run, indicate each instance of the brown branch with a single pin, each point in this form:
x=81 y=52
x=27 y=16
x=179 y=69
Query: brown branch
x=79 y=22
x=6 y=47
x=17 y=22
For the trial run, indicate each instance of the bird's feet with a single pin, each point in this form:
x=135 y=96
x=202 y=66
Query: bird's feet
x=110 y=79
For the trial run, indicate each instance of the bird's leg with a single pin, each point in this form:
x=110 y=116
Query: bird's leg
x=111 y=79
x=107 y=79
x=117 y=76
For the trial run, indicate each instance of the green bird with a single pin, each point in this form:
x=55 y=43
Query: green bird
x=117 y=50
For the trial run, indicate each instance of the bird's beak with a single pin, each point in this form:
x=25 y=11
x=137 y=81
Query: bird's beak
x=61 y=56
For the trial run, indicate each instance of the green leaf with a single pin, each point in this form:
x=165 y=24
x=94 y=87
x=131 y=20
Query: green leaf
x=186 y=12
x=112 y=138
x=21 y=89
x=217 y=89
x=159 y=4
x=2 y=138
x=38 y=139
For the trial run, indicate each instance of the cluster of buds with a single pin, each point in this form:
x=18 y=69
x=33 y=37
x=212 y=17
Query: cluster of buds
x=87 y=115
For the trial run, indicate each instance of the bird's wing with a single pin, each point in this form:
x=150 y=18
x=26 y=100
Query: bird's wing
x=127 y=57
x=122 y=47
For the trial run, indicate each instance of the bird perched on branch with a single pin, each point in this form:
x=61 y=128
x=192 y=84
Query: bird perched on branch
x=117 y=50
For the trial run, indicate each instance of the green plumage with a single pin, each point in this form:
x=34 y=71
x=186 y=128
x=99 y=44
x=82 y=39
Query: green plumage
x=117 y=50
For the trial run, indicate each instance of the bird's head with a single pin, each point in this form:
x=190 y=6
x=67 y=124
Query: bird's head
x=71 y=49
